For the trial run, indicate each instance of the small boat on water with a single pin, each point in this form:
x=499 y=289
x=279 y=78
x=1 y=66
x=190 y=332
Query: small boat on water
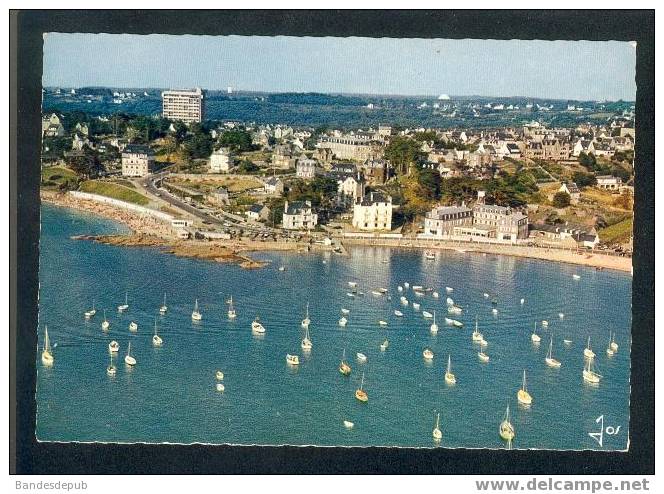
x=427 y=354
x=435 y=294
x=587 y=352
x=486 y=295
x=418 y=288
x=47 y=355
x=343 y=321
x=429 y=255
x=350 y=294
x=449 y=301
x=612 y=344
x=450 y=378
x=506 y=429
x=219 y=375
x=257 y=327
x=426 y=314
x=231 y=310
x=129 y=360
x=400 y=288
x=545 y=324
x=454 y=309
x=398 y=313
x=523 y=301
x=384 y=345
x=382 y=323
x=561 y=315
x=403 y=300
x=156 y=339
x=449 y=289
x=220 y=387
x=111 y=370
x=282 y=268
x=196 y=315
x=434 y=327
x=477 y=336
x=344 y=368
x=90 y=313
x=361 y=357
x=576 y=276
x=306 y=321
x=376 y=293
x=382 y=290
x=534 y=337
x=436 y=433
x=306 y=342
x=550 y=361
x=406 y=284
x=133 y=327
x=352 y=284
x=589 y=375
x=345 y=311
x=114 y=347
x=125 y=306
x=494 y=311
x=292 y=359
x=522 y=395
x=483 y=356
x=453 y=322
x=609 y=351
x=164 y=308
x=105 y=324
x=360 y=394
x=567 y=342
x=416 y=306
x=348 y=424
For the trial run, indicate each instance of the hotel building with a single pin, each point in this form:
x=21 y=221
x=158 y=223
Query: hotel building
x=184 y=105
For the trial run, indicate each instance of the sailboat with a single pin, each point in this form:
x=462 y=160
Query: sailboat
x=427 y=354
x=477 y=336
x=164 y=308
x=156 y=339
x=429 y=255
x=111 y=370
x=434 y=327
x=129 y=360
x=344 y=368
x=133 y=327
x=384 y=345
x=47 y=356
x=257 y=327
x=219 y=376
x=427 y=314
x=292 y=359
x=382 y=323
x=454 y=309
x=449 y=289
x=306 y=320
x=506 y=430
x=361 y=357
x=90 y=313
x=125 y=306
x=196 y=315
x=589 y=375
x=343 y=321
x=360 y=394
x=450 y=378
x=435 y=294
x=449 y=301
x=522 y=395
x=535 y=337
x=482 y=356
x=231 y=309
x=348 y=424
x=345 y=311
x=113 y=347
x=550 y=361
x=613 y=345
x=105 y=324
x=436 y=433
x=306 y=342
x=587 y=352
x=398 y=313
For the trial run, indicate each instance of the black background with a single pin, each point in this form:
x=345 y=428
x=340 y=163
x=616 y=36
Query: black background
x=30 y=457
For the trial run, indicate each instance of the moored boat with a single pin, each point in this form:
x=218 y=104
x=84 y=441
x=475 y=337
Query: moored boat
x=550 y=361
x=360 y=394
x=587 y=352
x=436 y=433
x=522 y=395
x=344 y=368
x=47 y=355
x=426 y=314
x=450 y=378
x=257 y=327
x=506 y=429
x=114 y=347
x=427 y=354
x=589 y=375
x=361 y=357
x=292 y=359
x=343 y=321
x=129 y=360
x=196 y=315
x=125 y=306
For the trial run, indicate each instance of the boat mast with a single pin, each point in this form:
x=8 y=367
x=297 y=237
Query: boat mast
x=523 y=386
x=47 y=343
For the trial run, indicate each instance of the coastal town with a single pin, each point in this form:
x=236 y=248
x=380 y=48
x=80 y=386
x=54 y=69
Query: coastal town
x=219 y=188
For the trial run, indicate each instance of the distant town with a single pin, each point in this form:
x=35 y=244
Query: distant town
x=532 y=184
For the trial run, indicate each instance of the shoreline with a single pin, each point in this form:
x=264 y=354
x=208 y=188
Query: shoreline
x=150 y=232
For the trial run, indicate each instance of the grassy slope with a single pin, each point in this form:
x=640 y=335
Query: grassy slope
x=58 y=174
x=115 y=191
x=617 y=233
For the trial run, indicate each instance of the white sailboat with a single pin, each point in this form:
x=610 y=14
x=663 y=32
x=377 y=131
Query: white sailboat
x=434 y=327
x=427 y=354
x=306 y=342
x=454 y=309
x=398 y=313
x=426 y=314
x=306 y=321
x=482 y=356
x=403 y=300
x=352 y=284
x=535 y=338
x=231 y=309
x=550 y=361
x=436 y=433
x=348 y=424
x=196 y=315
x=453 y=322
x=220 y=387
x=129 y=360
x=343 y=321
x=219 y=375
x=613 y=345
x=384 y=345
x=361 y=357
x=400 y=288
x=164 y=308
x=429 y=255
x=477 y=336
x=545 y=324
x=47 y=356
x=449 y=289
x=125 y=306
x=156 y=339
x=523 y=301
x=344 y=368
x=345 y=311
x=113 y=347
x=382 y=323
x=506 y=429
x=589 y=375
x=523 y=396
x=292 y=359
x=576 y=276
x=111 y=370
x=105 y=324
x=90 y=313
x=257 y=327
x=435 y=294
x=416 y=306
x=360 y=394
x=133 y=327
x=449 y=301
x=587 y=352
x=450 y=378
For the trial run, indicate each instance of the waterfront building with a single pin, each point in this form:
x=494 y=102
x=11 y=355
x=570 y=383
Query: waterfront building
x=441 y=221
x=184 y=105
x=273 y=186
x=306 y=168
x=258 y=212
x=299 y=215
x=221 y=161
x=373 y=212
x=137 y=160
x=350 y=186
x=609 y=182
x=501 y=222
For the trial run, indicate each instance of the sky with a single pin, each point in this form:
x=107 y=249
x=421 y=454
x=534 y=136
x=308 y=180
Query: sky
x=575 y=70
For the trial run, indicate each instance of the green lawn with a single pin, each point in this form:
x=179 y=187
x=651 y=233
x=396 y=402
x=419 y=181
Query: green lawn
x=57 y=174
x=115 y=191
x=617 y=233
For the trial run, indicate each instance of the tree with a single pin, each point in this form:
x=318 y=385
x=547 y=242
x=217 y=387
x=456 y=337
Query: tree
x=247 y=167
x=588 y=161
x=561 y=200
x=584 y=179
x=402 y=152
x=198 y=146
x=238 y=140
x=86 y=164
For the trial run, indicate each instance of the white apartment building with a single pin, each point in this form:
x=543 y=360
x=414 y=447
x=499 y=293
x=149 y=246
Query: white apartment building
x=298 y=215
x=373 y=212
x=441 y=221
x=500 y=222
x=185 y=105
x=137 y=160
x=306 y=168
x=221 y=161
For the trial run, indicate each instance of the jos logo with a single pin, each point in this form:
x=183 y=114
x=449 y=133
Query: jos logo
x=599 y=435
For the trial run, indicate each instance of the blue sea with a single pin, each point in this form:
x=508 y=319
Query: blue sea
x=171 y=396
